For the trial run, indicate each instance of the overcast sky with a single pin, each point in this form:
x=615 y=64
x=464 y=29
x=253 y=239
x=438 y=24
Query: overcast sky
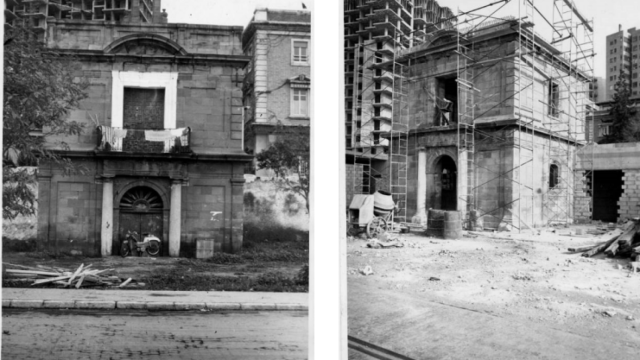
x=224 y=12
x=607 y=14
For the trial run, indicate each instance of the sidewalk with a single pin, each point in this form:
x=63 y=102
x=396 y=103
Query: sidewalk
x=152 y=300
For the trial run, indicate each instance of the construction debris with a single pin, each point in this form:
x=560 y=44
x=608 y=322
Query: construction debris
x=367 y=270
x=623 y=242
x=83 y=276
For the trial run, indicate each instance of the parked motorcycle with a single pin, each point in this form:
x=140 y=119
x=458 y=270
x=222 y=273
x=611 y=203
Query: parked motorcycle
x=132 y=243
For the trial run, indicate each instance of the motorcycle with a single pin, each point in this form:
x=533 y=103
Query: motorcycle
x=131 y=243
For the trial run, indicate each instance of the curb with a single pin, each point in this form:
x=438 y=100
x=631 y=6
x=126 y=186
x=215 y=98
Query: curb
x=147 y=305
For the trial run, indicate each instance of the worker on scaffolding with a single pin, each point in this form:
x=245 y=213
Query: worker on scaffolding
x=444 y=108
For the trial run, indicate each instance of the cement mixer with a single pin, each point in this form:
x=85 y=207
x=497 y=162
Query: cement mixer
x=375 y=212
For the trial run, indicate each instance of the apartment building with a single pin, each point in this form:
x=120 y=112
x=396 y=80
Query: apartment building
x=623 y=58
x=374 y=30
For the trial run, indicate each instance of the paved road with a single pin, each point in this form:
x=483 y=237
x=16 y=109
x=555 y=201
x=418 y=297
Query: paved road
x=84 y=334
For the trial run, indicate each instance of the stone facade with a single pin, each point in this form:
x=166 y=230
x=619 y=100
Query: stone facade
x=274 y=73
x=520 y=173
x=182 y=196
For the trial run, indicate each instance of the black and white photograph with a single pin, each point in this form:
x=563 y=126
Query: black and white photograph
x=491 y=179
x=156 y=179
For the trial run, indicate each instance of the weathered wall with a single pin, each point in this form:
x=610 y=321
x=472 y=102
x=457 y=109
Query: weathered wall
x=70 y=207
x=202 y=39
x=510 y=187
x=268 y=206
x=630 y=199
x=208 y=100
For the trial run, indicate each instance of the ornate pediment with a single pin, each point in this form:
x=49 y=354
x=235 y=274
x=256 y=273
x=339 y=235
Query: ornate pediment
x=144 y=47
x=145 y=44
x=300 y=81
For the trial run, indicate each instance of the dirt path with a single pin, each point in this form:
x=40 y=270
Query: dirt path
x=532 y=285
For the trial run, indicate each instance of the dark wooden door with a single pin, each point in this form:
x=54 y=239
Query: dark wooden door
x=140 y=211
x=141 y=223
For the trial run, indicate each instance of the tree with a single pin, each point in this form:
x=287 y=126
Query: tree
x=624 y=127
x=288 y=158
x=39 y=92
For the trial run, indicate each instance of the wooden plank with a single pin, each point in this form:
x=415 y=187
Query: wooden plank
x=584 y=248
x=125 y=283
x=31 y=272
x=80 y=282
x=612 y=237
x=626 y=238
x=44 y=281
x=75 y=274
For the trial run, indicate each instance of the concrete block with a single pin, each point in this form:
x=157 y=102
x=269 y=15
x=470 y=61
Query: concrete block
x=138 y=305
x=292 y=307
x=91 y=304
x=190 y=306
x=224 y=306
x=163 y=305
x=255 y=306
x=59 y=304
x=6 y=303
x=26 y=303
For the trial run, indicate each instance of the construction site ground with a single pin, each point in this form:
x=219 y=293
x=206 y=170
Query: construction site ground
x=494 y=296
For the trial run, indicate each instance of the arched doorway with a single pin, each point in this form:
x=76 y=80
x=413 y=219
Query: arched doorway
x=140 y=211
x=446 y=174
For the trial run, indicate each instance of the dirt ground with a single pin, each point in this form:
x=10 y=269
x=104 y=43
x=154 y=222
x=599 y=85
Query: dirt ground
x=525 y=279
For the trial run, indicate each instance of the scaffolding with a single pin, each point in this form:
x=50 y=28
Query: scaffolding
x=35 y=13
x=548 y=129
x=374 y=32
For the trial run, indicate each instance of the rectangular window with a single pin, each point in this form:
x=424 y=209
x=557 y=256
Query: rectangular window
x=554 y=98
x=605 y=130
x=300 y=52
x=300 y=102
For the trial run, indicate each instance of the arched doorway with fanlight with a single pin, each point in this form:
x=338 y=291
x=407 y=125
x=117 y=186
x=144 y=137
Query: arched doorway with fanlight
x=141 y=210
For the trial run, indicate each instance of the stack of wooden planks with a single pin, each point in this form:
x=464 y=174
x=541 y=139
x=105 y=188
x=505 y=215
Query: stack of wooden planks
x=83 y=276
x=623 y=242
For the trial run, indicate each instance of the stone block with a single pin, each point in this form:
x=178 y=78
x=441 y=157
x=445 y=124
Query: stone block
x=223 y=306
x=137 y=305
x=59 y=304
x=161 y=305
x=27 y=303
x=95 y=304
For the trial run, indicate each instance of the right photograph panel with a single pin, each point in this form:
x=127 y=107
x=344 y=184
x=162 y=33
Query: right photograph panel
x=492 y=179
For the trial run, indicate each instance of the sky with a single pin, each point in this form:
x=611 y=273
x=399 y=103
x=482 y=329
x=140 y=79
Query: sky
x=224 y=12
x=607 y=15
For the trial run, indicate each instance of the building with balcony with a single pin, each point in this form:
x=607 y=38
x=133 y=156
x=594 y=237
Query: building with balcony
x=163 y=142
x=277 y=83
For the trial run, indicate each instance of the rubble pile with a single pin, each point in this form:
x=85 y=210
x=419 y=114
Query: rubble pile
x=623 y=242
x=83 y=276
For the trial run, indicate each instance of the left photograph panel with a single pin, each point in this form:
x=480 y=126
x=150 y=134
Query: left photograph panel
x=156 y=179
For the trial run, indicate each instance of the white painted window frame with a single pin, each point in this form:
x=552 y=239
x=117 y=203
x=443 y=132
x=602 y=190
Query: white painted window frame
x=152 y=80
x=292 y=113
x=300 y=63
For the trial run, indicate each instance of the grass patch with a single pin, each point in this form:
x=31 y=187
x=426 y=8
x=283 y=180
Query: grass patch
x=272 y=281
x=257 y=251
